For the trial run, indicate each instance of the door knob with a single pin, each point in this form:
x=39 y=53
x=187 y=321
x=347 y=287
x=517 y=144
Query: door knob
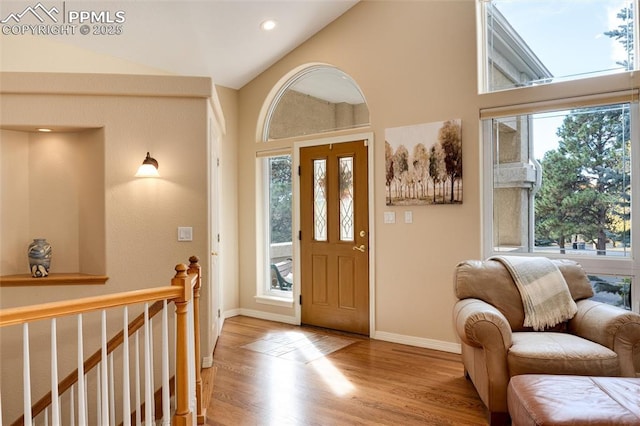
x=362 y=248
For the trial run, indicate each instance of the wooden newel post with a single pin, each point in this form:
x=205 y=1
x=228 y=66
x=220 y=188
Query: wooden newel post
x=194 y=268
x=182 y=416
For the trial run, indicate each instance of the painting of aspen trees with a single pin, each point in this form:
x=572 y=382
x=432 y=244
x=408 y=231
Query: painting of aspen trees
x=424 y=164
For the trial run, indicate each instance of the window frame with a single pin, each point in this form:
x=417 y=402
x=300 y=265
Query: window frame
x=593 y=265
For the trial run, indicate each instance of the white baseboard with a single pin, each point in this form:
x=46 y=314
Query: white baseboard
x=420 y=342
x=207 y=362
x=231 y=313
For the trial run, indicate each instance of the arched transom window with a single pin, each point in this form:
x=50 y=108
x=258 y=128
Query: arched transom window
x=318 y=99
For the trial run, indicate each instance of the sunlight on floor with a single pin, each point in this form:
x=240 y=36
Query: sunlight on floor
x=338 y=383
x=308 y=348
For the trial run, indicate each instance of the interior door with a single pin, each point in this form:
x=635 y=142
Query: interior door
x=215 y=324
x=334 y=239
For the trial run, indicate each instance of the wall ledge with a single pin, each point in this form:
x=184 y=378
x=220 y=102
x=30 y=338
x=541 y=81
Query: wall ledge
x=26 y=280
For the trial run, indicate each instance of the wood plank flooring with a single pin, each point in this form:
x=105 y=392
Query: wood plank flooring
x=268 y=373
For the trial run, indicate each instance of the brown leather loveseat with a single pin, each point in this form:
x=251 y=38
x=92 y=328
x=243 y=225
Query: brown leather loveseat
x=600 y=340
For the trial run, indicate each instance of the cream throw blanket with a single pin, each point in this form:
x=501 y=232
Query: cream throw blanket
x=545 y=294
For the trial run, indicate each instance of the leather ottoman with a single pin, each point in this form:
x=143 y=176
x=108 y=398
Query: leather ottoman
x=540 y=399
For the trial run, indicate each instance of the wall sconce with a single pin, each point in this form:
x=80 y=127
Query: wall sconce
x=148 y=168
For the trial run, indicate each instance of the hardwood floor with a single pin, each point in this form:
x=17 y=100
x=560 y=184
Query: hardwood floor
x=268 y=373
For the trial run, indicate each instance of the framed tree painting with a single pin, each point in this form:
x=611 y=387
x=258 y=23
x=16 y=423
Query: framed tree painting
x=423 y=164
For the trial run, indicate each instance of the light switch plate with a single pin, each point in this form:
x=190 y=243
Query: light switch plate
x=389 y=217
x=185 y=233
x=408 y=216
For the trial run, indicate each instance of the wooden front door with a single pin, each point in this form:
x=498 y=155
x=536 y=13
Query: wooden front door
x=334 y=200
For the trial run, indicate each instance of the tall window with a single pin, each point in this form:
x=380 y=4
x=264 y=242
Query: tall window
x=561 y=187
x=280 y=248
x=559 y=167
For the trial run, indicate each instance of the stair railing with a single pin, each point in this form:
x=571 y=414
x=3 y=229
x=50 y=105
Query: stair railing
x=187 y=409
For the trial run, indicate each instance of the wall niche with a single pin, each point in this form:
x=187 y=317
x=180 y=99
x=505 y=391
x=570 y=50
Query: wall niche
x=52 y=186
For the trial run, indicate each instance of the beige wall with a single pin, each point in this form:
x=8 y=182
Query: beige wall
x=134 y=114
x=229 y=189
x=413 y=66
x=141 y=215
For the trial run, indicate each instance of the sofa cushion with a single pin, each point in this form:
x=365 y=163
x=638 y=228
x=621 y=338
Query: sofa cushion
x=491 y=282
x=559 y=353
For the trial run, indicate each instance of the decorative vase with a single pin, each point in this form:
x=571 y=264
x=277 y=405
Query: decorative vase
x=39 y=257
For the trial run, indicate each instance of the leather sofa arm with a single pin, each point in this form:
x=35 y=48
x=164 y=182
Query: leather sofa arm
x=480 y=324
x=615 y=328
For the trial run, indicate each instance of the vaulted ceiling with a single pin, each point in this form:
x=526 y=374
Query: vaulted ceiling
x=221 y=39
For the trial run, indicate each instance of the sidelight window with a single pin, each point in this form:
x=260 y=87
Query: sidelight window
x=280 y=248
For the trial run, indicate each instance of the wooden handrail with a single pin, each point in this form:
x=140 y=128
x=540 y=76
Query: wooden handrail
x=21 y=315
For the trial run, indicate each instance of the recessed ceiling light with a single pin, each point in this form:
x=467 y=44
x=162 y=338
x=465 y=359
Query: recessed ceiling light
x=44 y=130
x=268 y=25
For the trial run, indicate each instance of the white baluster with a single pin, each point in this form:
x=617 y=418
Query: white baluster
x=46 y=417
x=86 y=400
x=191 y=362
x=0 y=408
x=72 y=408
x=126 y=401
x=112 y=396
x=148 y=392
x=26 y=376
x=137 y=355
x=98 y=392
x=166 y=416
x=104 y=381
x=152 y=385
x=55 y=408
x=82 y=394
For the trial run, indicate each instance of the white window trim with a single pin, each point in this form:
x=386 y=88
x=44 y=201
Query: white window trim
x=286 y=302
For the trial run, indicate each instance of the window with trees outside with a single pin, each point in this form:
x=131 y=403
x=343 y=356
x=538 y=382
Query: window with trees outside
x=280 y=249
x=558 y=179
